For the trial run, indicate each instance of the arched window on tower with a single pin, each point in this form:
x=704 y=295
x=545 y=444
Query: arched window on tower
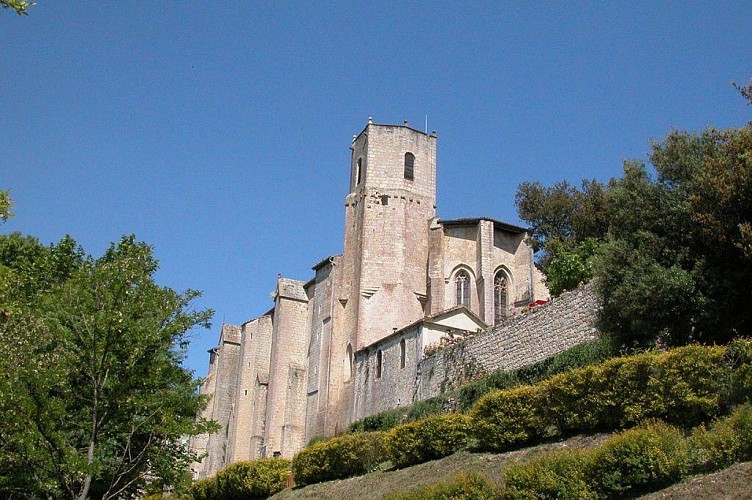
x=462 y=283
x=409 y=166
x=501 y=294
x=359 y=173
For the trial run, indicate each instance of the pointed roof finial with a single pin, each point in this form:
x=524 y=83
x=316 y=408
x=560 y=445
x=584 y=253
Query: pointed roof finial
x=370 y=119
x=405 y=123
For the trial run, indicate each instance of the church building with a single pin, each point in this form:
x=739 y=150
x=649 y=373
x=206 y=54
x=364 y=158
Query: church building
x=347 y=343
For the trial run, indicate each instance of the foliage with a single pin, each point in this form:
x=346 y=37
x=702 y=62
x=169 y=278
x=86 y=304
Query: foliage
x=340 y=457
x=93 y=396
x=252 y=479
x=558 y=474
x=685 y=386
x=428 y=439
x=466 y=396
x=569 y=268
x=19 y=6
x=6 y=205
x=509 y=418
x=677 y=263
x=726 y=442
x=562 y=216
x=204 y=489
x=640 y=459
x=462 y=486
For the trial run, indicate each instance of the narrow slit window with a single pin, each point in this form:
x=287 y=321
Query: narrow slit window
x=409 y=166
x=359 y=172
x=402 y=353
x=378 y=364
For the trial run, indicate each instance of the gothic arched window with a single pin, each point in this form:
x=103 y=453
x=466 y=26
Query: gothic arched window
x=409 y=166
x=462 y=283
x=501 y=291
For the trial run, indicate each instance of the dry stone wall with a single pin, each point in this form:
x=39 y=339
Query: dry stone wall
x=546 y=330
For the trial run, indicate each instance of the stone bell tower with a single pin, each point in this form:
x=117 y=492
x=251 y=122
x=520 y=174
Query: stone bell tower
x=392 y=198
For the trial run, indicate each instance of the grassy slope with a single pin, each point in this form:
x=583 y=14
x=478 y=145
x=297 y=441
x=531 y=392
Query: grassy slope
x=732 y=483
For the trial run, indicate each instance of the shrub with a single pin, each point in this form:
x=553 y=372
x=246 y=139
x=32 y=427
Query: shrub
x=644 y=458
x=739 y=357
x=339 y=457
x=506 y=418
x=728 y=440
x=463 y=485
x=204 y=489
x=428 y=439
x=253 y=479
x=557 y=474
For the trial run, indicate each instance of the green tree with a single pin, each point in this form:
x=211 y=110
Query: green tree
x=677 y=262
x=93 y=397
x=6 y=205
x=19 y=6
x=567 y=224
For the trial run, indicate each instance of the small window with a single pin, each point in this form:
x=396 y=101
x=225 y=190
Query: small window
x=378 y=364
x=462 y=282
x=348 y=368
x=409 y=166
x=402 y=353
x=359 y=174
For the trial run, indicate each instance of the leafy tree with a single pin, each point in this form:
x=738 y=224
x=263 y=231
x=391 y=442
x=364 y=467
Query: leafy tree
x=567 y=224
x=6 y=205
x=19 y=6
x=677 y=262
x=93 y=397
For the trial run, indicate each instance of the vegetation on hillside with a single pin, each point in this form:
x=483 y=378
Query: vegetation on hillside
x=671 y=251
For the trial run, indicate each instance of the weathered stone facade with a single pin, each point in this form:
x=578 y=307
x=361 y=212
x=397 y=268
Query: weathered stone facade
x=405 y=278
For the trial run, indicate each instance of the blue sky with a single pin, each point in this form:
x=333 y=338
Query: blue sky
x=219 y=131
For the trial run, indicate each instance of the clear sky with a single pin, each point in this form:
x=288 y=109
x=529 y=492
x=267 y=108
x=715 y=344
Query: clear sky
x=219 y=131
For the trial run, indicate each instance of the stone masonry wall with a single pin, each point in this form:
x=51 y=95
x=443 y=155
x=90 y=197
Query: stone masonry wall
x=541 y=333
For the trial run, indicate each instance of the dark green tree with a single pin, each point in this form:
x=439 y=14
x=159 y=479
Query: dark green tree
x=677 y=263
x=94 y=399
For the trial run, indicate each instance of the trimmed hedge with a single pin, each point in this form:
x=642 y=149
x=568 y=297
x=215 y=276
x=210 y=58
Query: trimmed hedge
x=633 y=462
x=645 y=458
x=558 y=474
x=339 y=457
x=683 y=386
x=253 y=479
x=244 y=480
x=461 y=486
x=726 y=442
x=428 y=439
x=462 y=399
x=509 y=418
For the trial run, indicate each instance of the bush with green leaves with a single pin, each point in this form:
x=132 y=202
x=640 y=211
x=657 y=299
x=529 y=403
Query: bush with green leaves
x=253 y=479
x=557 y=474
x=726 y=442
x=340 y=457
x=684 y=386
x=429 y=439
x=508 y=418
x=464 y=485
x=204 y=489
x=647 y=457
x=466 y=396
